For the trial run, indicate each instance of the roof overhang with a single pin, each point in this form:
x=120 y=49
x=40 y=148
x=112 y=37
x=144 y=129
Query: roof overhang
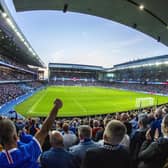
x=75 y=66
x=151 y=20
x=13 y=43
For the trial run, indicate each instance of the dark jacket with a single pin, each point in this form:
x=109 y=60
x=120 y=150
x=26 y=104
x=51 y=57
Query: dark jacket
x=135 y=145
x=154 y=154
x=106 y=157
x=156 y=124
x=129 y=127
x=57 y=158
x=99 y=135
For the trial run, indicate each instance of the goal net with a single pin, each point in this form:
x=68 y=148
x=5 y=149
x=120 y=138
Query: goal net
x=144 y=102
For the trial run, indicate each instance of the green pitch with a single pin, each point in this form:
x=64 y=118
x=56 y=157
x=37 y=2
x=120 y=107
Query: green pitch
x=81 y=101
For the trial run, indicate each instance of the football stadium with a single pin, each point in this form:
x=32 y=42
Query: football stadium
x=83 y=84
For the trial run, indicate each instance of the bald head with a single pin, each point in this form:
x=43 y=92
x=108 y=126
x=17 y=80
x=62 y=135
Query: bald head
x=56 y=139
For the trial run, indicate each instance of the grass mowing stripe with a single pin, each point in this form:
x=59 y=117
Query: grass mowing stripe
x=31 y=110
x=79 y=105
x=76 y=102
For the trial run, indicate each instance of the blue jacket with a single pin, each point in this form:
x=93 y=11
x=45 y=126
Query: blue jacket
x=154 y=125
x=57 y=158
x=80 y=149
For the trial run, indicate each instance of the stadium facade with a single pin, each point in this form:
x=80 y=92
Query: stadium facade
x=152 y=70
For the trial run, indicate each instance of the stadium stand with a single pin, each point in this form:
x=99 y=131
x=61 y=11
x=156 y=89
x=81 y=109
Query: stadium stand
x=9 y=92
x=12 y=91
x=18 y=64
x=148 y=70
x=71 y=74
x=142 y=133
x=163 y=89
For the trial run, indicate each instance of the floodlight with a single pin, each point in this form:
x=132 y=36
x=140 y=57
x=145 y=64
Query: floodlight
x=141 y=7
x=158 y=63
x=4 y=15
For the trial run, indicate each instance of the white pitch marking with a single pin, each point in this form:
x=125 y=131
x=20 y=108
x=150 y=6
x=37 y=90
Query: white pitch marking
x=37 y=102
x=79 y=105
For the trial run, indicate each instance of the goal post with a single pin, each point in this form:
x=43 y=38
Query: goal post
x=144 y=102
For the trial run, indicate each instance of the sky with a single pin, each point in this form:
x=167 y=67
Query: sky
x=59 y=37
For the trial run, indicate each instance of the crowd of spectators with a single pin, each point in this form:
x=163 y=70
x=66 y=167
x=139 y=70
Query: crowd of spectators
x=34 y=84
x=12 y=61
x=122 y=140
x=72 y=82
x=9 y=92
x=12 y=91
x=69 y=74
x=15 y=70
x=11 y=74
x=143 y=87
x=151 y=88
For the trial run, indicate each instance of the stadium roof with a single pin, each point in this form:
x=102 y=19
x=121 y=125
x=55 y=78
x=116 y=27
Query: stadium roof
x=157 y=60
x=13 y=43
x=75 y=66
x=149 y=17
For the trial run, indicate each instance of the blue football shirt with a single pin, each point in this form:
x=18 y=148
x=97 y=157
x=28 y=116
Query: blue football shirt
x=25 y=156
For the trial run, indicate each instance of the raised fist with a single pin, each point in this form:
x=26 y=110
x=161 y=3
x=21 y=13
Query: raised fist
x=58 y=103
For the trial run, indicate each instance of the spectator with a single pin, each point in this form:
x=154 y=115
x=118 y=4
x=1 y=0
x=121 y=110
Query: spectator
x=111 y=154
x=95 y=128
x=33 y=128
x=138 y=138
x=153 y=154
x=124 y=118
x=69 y=137
x=24 y=155
x=57 y=156
x=156 y=124
x=126 y=142
x=1 y=148
x=99 y=134
x=85 y=135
